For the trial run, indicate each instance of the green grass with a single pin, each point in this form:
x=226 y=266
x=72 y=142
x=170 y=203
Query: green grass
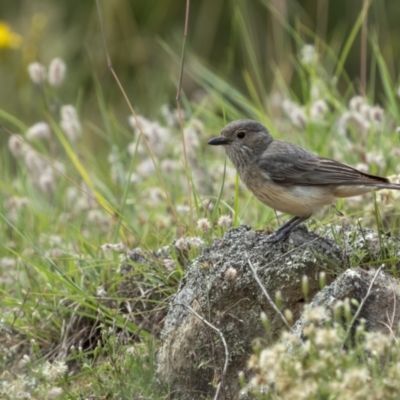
x=62 y=295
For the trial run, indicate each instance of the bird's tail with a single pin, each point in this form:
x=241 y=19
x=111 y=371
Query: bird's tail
x=362 y=188
x=390 y=186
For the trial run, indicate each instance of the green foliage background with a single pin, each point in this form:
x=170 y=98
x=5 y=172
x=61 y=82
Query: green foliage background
x=138 y=31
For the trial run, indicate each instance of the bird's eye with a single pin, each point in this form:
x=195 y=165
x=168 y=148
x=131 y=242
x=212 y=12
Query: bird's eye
x=241 y=134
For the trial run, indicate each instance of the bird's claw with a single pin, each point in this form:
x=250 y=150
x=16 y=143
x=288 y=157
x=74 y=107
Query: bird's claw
x=277 y=237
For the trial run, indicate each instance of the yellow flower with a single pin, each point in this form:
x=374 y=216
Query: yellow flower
x=8 y=38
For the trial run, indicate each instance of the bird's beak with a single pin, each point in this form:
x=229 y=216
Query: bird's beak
x=218 y=141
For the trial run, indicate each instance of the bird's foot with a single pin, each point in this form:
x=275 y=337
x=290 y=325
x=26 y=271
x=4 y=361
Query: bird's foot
x=284 y=231
x=277 y=237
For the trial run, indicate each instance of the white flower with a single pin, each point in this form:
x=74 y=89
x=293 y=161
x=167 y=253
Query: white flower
x=308 y=55
x=157 y=136
x=17 y=145
x=117 y=247
x=225 y=221
x=34 y=162
x=7 y=262
x=54 y=371
x=356 y=102
x=70 y=123
x=57 y=71
x=54 y=393
x=196 y=242
x=365 y=110
x=295 y=113
x=168 y=115
x=168 y=264
x=204 y=225
x=37 y=72
x=191 y=135
x=146 y=167
x=46 y=182
x=71 y=128
x=41 y=130
x=318 y=109
x=355 y=119
x=100 y=291
x=325 y=337
x=376 y=114
x=182 y=244
x=316 y=314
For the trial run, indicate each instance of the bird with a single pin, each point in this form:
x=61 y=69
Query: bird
x=289 y=178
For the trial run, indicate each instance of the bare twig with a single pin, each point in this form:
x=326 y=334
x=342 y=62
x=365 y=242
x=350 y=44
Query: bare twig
x=178 y=103
x=270 y=301
x=178 y=93
x=221 y=335
x=363 y=61
x=357 y=314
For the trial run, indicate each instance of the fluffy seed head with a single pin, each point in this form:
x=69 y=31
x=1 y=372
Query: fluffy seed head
x=308 y=55
x=17 y=145
x=37 y=73
x=318 y=109
x=40 y=130
x=182 y=244
x=46 y=182
x=34 y=163
x=204 y=225
x=356 y=102
x=196 y=242
x=57 y=71
x=225 y=221
x=70 y=123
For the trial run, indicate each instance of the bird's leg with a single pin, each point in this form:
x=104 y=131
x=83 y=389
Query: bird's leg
x=286 y=224
x=283 y=231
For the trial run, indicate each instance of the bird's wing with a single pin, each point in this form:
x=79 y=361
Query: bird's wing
x=288 y=164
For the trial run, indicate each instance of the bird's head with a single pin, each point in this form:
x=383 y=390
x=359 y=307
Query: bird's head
x=243 y=140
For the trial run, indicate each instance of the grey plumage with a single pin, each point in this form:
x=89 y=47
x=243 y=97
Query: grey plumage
x=288 y=164
x=289 y=178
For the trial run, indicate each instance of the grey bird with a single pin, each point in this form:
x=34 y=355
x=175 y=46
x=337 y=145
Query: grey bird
x=289 y=178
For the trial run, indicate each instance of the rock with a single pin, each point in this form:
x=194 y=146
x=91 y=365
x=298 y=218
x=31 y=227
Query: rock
x=220 y=286
x=380 y=311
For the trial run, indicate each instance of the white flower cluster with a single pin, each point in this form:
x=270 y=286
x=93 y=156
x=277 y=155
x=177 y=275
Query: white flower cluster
x=189 y=242
x=55 y=75
x=361 y=116
x=42 y=173
x=299 y=116
x=295 y=113
x=157 y=136
x=164 y=142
